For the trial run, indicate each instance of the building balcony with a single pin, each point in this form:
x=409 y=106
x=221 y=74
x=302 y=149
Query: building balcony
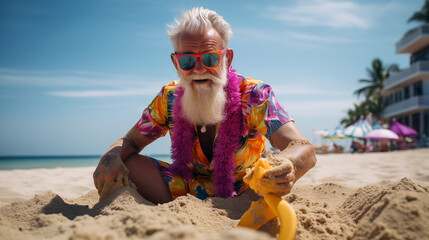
x=414 y=40
x=417 y=71
x=410 y=105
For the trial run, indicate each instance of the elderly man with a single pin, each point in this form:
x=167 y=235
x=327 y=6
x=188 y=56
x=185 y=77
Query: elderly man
x=218 y=122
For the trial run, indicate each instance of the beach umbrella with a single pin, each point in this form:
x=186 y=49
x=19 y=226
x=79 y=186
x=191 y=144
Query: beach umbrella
x=381 y=134
x=336 y=134
x=376 y=126
x=359 y=129
x=402 y=130
x=321 y=132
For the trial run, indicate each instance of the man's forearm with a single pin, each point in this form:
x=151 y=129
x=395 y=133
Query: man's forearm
x=302 y=155
x=295 y=147
x=123 y=147
x=133 y=142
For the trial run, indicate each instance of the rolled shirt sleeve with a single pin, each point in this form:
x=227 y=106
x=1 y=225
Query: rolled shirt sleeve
x=264 y=112
x=154 y=121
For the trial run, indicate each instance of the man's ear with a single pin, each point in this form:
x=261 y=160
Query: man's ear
x=173 y=59
x=229 y=56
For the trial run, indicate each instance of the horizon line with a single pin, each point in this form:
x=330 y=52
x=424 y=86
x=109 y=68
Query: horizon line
x=65 y=156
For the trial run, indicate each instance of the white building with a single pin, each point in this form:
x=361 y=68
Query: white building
x=407 y=91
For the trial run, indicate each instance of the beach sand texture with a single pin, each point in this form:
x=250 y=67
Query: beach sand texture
x=346 y=196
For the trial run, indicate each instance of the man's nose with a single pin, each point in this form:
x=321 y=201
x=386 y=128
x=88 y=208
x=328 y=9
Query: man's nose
x=199 y=67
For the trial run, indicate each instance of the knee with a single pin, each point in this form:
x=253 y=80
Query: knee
x=136 y=160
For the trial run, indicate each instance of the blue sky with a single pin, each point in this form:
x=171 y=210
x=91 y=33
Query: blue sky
x=76 y=75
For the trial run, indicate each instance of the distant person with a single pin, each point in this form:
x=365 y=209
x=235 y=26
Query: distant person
x=384 y=145
x=218 y=122
x=353 y=147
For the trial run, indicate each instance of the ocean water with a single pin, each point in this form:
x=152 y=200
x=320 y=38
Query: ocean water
x=32 y=162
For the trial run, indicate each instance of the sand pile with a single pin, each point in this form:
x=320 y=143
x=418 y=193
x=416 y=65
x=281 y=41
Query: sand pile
x=395 y=211
x=398 y=210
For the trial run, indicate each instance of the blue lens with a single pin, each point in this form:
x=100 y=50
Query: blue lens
x=210 y=59
x=187 y=62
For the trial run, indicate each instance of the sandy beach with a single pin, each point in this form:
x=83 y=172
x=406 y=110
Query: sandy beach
x=346 y=196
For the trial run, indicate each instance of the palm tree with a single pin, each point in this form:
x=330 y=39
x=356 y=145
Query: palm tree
x=353 y=115
x=376 y=106
x=378 y=73
x=349 y=120
x=422 y=15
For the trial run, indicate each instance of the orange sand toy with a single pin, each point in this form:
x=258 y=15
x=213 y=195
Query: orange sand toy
x=267 y=208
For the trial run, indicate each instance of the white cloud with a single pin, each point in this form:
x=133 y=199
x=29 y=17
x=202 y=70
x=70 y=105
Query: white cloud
x=313 y=101
x=104 y=93
x=68 y=78
x=290 y=37
x=307 y=90
x=329 y=13
x=316 y=38
x=90 y=84
x=318 y=108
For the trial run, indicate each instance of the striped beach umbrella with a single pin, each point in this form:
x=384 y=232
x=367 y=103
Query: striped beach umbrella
x=336 y=134
x=359 y=129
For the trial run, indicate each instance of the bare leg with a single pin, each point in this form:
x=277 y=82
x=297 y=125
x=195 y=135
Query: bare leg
x=149 y=181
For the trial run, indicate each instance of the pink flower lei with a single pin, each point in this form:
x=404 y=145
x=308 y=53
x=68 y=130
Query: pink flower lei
x=226 y=143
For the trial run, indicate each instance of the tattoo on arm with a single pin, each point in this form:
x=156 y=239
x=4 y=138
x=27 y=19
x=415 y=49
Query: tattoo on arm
x=107 y=159
x=127 y=141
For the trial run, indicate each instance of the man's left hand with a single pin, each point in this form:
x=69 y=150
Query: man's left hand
x=280 y=179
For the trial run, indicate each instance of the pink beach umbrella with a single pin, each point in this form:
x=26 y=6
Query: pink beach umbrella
x=381 y=134
x=402 y=130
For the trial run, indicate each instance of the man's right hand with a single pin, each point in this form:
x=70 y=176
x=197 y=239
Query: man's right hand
x=110 y=174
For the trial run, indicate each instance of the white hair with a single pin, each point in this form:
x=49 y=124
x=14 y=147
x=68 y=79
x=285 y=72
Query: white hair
x=199 y=19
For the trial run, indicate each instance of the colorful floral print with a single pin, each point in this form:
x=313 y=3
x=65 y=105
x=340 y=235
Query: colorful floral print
x=263 y=116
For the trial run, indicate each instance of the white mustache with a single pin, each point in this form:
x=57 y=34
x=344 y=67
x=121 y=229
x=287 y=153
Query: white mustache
x=205 y=76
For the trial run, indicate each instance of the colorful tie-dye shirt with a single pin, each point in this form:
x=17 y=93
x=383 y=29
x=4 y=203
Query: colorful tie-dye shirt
x=263 y=116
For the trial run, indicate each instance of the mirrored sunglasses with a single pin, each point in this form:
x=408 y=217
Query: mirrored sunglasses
x=210 y=59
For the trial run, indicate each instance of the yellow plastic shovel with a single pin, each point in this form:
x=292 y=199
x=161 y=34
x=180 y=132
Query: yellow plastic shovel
x=267 y=208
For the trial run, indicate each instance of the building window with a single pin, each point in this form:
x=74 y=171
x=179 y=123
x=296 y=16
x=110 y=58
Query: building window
x=426 y=124
x=421 y=55
x=407 y=121
x=418 y=88
x=400 y=96
x=416 y=122
x=406 y=92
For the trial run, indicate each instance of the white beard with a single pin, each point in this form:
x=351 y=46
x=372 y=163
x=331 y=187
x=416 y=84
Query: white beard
x=202 y=104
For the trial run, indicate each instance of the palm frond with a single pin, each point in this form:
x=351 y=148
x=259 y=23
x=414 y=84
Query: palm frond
x=361 y=91
x=371 y=73
x=422 y=15
x=365 y=80
x=374 y=103
x=393 y=68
